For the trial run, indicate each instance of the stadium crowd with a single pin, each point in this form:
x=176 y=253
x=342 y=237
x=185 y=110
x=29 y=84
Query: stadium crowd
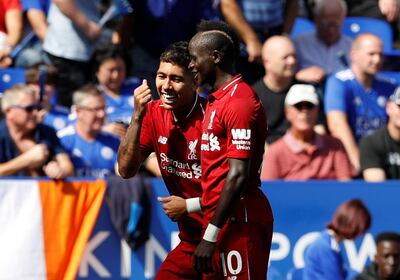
x=330 y=109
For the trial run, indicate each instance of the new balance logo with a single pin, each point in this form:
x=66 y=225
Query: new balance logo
x=162 y=140
x=241 y=134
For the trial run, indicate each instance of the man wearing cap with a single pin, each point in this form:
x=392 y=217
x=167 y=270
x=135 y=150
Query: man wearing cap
x=380 y=151
x=303 y=154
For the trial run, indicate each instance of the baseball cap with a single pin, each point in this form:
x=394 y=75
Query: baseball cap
x=395 y=97
x=301 y=93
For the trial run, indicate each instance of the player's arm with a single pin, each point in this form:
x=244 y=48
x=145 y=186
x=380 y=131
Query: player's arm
x=129 y=155
x=176 y=207
x=233 y=188
x=339 y=127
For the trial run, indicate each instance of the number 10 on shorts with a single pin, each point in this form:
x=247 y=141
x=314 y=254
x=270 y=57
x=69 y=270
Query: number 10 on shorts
x=232 y=262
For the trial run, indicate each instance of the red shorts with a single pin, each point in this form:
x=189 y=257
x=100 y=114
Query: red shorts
x=179 y=264
x=244 y=243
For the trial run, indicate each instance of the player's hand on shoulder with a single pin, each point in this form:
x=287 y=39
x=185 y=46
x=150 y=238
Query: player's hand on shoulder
x=174 y=206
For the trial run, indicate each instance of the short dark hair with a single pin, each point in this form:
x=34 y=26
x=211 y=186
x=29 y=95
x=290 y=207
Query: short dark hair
x=387 y=236
x=112 y=52
x=177 y=54
x=351 y=219
x=229 y=44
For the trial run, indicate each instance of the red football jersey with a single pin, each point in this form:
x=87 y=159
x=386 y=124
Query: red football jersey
x=177 y=147
x=234 y=126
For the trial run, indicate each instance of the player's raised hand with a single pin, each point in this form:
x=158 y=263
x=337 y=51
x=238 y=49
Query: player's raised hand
x=142 y=96
x=174 y=206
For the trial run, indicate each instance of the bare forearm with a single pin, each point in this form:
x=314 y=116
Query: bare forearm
x=341 y=130
x=14 y=26
x=129 y=156
x=234 y=16
x=13 y=166
x=290 y=13
x=70 y=10
x=232 y=190
x=66 y=165
x=38 y=22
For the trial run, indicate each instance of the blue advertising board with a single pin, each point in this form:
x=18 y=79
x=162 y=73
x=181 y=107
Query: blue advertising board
x=301 y=211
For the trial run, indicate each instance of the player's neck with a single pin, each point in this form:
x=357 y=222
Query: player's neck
x=185 y=112
x=222 y=77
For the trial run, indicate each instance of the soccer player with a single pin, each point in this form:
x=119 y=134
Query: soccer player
x=237 y=240
x=171 y=127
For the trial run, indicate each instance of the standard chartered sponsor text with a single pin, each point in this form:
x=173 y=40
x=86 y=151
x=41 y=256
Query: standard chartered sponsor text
x=181 y=169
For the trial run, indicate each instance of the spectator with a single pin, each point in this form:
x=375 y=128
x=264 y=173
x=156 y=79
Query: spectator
x=380 y=151
x=279 y=58
x=93 y=152
x=28 y=148
x=111 y=77
x=303 y=154
x=50 y=113
x=323 y=259
x=255 y=21
x=10 y=29
x=35 y=16
x=153 y=26
x=325 y=50
x=74 y=22
x=386 y=265
x=355 y=98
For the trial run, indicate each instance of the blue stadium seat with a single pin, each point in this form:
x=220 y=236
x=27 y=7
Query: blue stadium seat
x=353 y=26
x=301 y=25
x=295 y=274
x=395 y=75
x=11 y=76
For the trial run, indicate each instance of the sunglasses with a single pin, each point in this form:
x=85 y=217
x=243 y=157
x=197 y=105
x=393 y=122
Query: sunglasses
x=28 y=108
x=304 y=105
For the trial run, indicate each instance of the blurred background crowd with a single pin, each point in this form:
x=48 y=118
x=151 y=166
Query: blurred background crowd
x=326 y=72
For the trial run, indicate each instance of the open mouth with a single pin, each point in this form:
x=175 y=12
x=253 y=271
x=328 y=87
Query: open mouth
x=169 y=98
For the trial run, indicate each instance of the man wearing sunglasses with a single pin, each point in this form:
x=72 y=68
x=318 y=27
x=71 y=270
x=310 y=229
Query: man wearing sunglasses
x=303 y=154
x=28 y=148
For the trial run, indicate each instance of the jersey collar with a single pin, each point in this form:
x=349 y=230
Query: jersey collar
x=229 y=86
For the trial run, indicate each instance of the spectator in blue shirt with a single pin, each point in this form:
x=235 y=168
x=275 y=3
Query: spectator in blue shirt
x=323 y=259
x=93 y=152
x=355 y=98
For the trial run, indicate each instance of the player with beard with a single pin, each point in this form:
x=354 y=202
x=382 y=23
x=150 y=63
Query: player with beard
x=171 y=127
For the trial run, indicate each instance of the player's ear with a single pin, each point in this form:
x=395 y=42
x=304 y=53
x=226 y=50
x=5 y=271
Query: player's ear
x=217 y=56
